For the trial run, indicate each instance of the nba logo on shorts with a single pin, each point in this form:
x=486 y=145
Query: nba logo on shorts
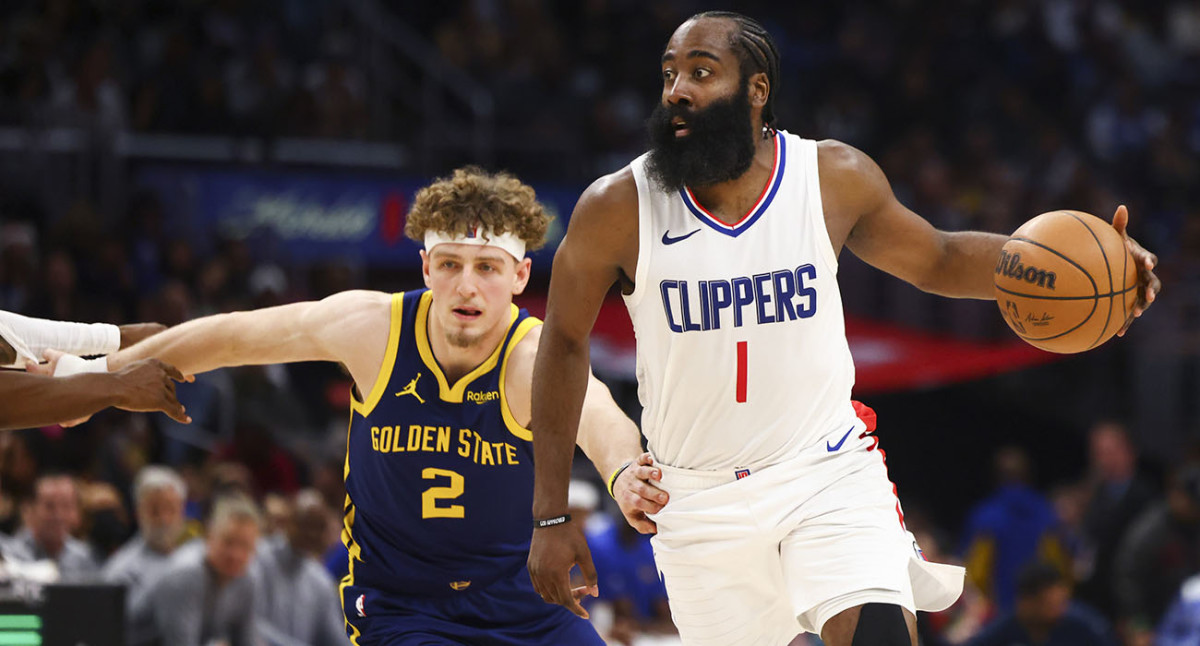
x=741 y=473
x=360 y=605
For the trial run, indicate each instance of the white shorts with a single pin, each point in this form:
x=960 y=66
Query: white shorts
x=759 y=559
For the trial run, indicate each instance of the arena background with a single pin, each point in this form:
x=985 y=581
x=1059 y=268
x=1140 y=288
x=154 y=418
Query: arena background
x=163 y=160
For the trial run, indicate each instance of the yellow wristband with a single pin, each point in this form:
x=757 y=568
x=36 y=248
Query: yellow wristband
x=612 y=480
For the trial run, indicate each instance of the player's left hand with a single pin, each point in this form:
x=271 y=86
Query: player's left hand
x=637 y=495
x=1148 y=284
x=551 y=554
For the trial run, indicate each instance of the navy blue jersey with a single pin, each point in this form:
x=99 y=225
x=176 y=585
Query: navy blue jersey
x=439 y=476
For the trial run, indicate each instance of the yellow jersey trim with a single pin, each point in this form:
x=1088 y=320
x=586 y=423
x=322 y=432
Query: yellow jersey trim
x=510 y=421
x=355 y=552
x=389 y=360
x=447 y=393
x=355 y=632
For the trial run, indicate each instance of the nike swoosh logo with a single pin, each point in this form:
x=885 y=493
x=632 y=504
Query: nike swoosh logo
x=667 y=239
x=833 y=447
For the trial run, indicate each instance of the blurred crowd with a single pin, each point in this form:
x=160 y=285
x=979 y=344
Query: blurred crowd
x=1113 y=558
x=226 y=67
x=977 y=111
x=981 y=113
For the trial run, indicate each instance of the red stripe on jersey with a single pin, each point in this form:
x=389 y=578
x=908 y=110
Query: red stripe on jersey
x=741 y=372
x=867 y=415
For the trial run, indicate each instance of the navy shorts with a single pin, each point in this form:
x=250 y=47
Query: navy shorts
x=505 y=613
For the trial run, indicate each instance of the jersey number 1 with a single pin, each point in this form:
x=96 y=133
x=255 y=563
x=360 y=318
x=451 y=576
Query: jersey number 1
x=430 y=497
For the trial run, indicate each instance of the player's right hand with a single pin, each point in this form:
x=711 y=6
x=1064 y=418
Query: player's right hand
x=1149 y=284
x=551 y=554
x=637 y=496
x=149 y=385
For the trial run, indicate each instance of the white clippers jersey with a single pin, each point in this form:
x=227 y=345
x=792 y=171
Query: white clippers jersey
x=742 y=359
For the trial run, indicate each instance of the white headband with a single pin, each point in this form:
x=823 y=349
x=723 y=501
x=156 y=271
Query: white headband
x=508 y=241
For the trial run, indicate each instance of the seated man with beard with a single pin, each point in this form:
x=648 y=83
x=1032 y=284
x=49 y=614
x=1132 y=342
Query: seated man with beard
x=204 y=595
x=158 y=495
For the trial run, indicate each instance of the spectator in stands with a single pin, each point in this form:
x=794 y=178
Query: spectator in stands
x=93 y=96
x=1045 y=615
x=1070 y=501
x=295 y=597
x=22 y=458
x=106 y=522
x=277 y=513
x=158 y=495
x=1015 y=526
x=1159 y=552
x=1117 y=496
x=49 y=518
x=1181 y=625
x=204 y=594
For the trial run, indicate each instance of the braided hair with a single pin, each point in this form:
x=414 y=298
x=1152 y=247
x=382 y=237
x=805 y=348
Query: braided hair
x=756 y=52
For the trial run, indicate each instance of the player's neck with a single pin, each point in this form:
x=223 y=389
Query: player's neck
x=729 y=201
x=457 y=361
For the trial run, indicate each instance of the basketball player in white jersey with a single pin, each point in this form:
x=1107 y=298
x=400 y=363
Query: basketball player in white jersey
x=725 y=239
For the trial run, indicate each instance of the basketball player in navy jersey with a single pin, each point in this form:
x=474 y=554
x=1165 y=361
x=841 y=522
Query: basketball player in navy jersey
x=724 y=238
x=439 y=473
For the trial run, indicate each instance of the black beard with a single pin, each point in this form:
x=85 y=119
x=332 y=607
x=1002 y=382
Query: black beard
x=718 y=147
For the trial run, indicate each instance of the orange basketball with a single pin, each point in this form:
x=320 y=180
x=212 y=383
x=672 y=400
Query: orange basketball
x=1065 y=281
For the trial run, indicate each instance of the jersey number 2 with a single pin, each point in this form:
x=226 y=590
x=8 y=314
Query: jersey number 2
x=430 y=497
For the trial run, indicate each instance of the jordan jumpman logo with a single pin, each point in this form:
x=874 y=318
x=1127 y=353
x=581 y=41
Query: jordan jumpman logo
x=411 y=389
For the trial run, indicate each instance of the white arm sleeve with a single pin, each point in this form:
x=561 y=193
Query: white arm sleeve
x=31 y=337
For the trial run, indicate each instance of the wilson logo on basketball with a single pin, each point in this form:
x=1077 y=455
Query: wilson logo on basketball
x=1010 y=265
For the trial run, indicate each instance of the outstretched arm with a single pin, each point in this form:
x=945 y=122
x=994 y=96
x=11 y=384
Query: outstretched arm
x=30 y=337
x=24 y=340
x=606 y=434
x=350 y=328
x=863 y=213
x=32 y=400
x=593 y=256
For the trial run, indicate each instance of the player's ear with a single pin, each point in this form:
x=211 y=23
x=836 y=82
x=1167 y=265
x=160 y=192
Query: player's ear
x=521 y=279
x=759 y=88
x=424 y=266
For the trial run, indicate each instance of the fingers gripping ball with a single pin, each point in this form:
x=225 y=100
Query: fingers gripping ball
x=1065 y=281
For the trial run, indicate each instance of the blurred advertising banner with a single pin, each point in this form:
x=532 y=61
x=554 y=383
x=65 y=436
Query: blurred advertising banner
x=309 y=216
x=888 y=357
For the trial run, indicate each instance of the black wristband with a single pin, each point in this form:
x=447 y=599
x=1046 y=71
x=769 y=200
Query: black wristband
x=551 y=522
